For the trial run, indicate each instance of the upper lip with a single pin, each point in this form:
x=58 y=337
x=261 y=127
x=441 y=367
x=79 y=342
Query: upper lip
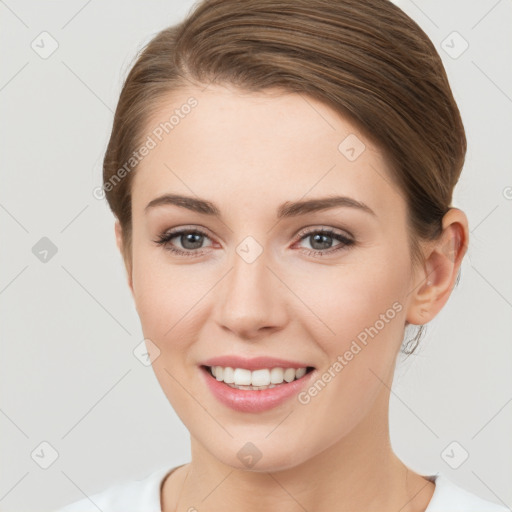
x=253 y=363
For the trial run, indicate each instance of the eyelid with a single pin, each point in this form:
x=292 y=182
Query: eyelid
x=326 y=229
x=188 y=228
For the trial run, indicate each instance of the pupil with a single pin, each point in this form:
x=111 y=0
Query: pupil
x=190 y=238
x=323 y=245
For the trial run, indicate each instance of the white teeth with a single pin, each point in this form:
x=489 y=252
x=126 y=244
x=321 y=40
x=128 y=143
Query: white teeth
x=253 y=388
x=289 y=374
x=300 y=372
x=276 y=375
x=262 y=378
x=229 y=375
x=241 y=376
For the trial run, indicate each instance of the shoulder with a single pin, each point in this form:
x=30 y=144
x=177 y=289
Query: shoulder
x=449 y=497
x=133 y=496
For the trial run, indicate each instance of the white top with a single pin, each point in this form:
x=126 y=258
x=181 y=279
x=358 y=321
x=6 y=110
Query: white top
x=144 y=496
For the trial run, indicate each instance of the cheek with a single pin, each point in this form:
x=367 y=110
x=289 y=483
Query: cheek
x=168 y=304
x=164 y=295
x=364 y=310
x=361 y=308
x=350 y=298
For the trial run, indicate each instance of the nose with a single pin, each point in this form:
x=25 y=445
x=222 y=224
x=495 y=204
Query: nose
x=251 y=301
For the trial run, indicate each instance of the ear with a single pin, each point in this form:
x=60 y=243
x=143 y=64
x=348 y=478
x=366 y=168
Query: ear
x=119 y=242
x=435 y=281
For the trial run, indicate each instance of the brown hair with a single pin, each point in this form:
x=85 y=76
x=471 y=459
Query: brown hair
x=367 y=60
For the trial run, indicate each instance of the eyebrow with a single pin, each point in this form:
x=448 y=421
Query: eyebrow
x=286 y=210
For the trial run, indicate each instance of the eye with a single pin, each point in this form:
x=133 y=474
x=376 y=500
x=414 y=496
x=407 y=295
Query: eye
x=190 y=239
x=321 y=241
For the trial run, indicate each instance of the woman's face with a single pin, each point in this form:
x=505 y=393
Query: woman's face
x=270 y=274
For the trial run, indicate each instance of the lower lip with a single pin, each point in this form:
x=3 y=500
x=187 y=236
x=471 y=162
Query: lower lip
x=254 y=401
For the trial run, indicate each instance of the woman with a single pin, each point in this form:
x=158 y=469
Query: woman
x=281 y=173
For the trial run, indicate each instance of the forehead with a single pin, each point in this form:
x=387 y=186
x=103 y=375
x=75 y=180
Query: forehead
x=270 y=144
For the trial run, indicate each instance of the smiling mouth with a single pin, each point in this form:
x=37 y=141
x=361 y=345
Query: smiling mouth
x=256 y=380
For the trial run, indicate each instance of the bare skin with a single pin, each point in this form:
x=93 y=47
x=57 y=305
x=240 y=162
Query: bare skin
x=248 y=154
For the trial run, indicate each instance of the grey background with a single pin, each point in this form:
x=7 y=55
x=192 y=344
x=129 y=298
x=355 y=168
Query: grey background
x=68 y=325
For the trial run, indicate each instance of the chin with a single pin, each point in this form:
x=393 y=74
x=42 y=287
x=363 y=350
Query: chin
x=260 y=453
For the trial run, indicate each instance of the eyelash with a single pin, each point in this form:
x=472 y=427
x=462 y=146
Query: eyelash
x=164 y=239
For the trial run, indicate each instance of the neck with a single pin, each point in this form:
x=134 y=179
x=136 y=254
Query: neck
x=359 y=472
